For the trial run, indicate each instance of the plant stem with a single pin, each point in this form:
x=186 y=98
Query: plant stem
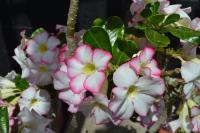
x=71 y=22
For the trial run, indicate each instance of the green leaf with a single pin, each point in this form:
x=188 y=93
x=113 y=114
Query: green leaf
x=98 y=22
x=97 y=37
x=134 y=31
x=172 y=18
x=185 y=34
x=4 y=120
x=118 y=57
x=150 y=9
x=39 y=30
x=146 y=13
x=115 y=28
x=127 y=46
x=157 y=39
x=21 y=83
x=157 y=19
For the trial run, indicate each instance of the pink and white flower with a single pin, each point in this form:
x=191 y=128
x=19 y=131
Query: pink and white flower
x=133 y=93
x=39 y=74
x=86 y=69
x=61 y=83
x=32 y=122
x=190 y=72
x=195 y=113
x=35 y=99
x=144 y=64
x=98 y=108
x=42 y=48
x=183 y=121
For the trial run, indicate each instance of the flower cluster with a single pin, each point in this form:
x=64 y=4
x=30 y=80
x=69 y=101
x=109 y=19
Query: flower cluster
x=109 y=72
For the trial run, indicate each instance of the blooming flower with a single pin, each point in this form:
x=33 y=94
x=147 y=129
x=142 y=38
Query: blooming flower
x=35 y=99
x=32 y=122
x=42 y=48
x=61 y=83
x=98 y=108
x=133 y=93
x=145 y=64
x=87 y=69
x=182 y=121
x=195 y=113
x=39 y=74
x=190 y=72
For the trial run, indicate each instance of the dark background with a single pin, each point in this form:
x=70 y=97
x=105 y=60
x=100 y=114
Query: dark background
x=17 y=15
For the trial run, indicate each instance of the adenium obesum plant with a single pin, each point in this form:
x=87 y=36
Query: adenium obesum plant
x=109 y=72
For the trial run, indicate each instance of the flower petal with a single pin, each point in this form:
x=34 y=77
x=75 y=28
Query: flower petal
x=174 y=125
x=29 y=93
x=48 y=57
x=146 y=55
x=52 y=42
x=74 y=67
x=42 y=107
x=190 y=71
x=136 y=64
x=84 y=54
x=76 y=83
x=101 y=59
x=69 y=96
x=100 y=116
x=61 y=80
x=122 y=108
x=155 y=71
x=41 y=38
x=95 y=82
x=32 y=47
x=150 y=86
x=187 y=89
x=142 y=103
x=124 y=76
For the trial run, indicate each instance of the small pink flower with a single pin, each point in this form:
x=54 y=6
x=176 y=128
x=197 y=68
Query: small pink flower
x=97 y=107
x=144 y=64
x=87 y=69
x=34 y=99
x=63 y=53
x=42 y=48
x=61 y=83
x=133 y=93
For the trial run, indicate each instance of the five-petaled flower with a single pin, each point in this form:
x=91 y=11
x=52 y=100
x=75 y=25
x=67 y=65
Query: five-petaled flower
x=86 y=69
x=42 y=48
x=133 y=93
x=35 y=99
x=144 y=63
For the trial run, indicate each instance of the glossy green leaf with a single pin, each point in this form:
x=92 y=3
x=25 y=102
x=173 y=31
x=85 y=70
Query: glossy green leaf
x=157 y=19
x=186 y=34
x=127 y=46
x=98 y=22
x=172 y=18
x=4 y=120
x=134 y=31
x=21 y=83
x=115 y=28
x=118 y=57
x=156 y=38
x=154 y=7
x=97 y=37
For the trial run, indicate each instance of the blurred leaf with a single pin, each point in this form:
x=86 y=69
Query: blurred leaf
x=4 y=120
x=127 y=46
x=97 y=37
x=172 y=18
x=185 y=34
x=157 y=39
x=154 y=7
x=146 y=13
x=98 y=22
x=119 y=57
x=115 y=28
x=157 y=19
x=39 y=30
x=134 y=31
x=21 y=83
